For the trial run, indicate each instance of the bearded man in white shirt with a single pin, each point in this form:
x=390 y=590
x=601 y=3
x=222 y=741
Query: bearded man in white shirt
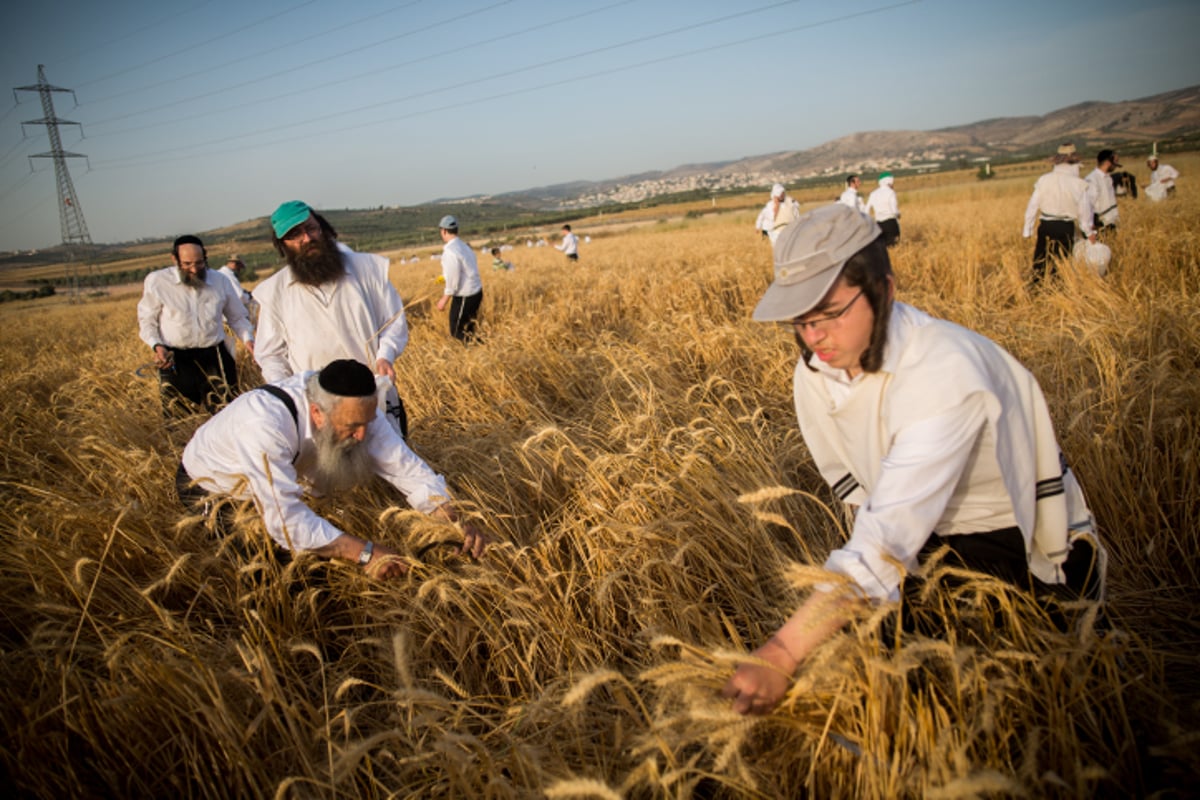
x=1162 y=179
x=180 y=317
x=1060 y=202
x=329 y=302
x=934 y=434
x=779 y=212
x=316 y=432
x=1103 y=194
x=850 y=195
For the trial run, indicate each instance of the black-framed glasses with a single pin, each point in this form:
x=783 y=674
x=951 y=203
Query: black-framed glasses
x=825 y=321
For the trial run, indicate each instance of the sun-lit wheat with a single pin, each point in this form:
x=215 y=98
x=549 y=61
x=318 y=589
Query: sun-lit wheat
x=627 y=433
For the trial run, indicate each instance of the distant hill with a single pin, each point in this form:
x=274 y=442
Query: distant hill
x=1171 y=118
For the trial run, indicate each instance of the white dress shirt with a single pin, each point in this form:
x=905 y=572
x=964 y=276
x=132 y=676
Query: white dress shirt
x=850 y=198
x=1103 y=196
x=177 y=315
x=1165 y=174
x=1062 y=195
x=253 y=448
x=460 y=269
x=884 y=203
x=570 y=244
x=303 y=327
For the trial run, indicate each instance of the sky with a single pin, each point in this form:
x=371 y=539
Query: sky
x=194 y=114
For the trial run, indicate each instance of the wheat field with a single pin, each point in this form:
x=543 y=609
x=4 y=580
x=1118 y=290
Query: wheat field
x=626 y=433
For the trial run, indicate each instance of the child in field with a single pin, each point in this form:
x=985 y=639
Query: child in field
x=499 y=263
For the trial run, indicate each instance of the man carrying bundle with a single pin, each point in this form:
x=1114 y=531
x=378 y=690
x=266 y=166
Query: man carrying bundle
x=1059 y=203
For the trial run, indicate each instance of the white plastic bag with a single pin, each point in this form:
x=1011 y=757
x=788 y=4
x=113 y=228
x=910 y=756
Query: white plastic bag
x=1095 y=254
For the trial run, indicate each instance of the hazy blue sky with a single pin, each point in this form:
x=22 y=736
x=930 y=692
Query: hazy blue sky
x=203 y=113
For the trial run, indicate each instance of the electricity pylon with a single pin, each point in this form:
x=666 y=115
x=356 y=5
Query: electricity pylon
x=70 y=213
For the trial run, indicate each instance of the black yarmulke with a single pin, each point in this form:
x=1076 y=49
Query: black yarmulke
x=347 y=378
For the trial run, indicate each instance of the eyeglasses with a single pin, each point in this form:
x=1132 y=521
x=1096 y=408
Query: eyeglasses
x=310 y=228
x=825 y=321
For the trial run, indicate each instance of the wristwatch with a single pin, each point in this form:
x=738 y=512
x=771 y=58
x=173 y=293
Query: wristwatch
x=364 y=557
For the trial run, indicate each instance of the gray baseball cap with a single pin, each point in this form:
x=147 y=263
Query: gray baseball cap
x=809 y=255
x=449 y=223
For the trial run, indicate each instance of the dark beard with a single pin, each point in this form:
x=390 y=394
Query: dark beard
x=339 y=465
x=193 y=280
x=319 y=262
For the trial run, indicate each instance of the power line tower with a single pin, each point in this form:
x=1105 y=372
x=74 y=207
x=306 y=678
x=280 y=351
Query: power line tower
x=74 y=229
x=70 y=213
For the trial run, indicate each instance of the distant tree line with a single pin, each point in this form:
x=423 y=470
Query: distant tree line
x=95 y=279
x=8 y=295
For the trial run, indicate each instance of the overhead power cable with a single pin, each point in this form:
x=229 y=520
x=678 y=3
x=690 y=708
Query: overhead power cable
x=255 y=54
x=178 y=52
x=312 y=87
x=78 y=52
x=359 y=125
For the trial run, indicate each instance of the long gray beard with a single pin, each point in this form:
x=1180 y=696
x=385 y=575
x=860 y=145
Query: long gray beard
x=339 y=465
x=320 y=262
x=193 y=280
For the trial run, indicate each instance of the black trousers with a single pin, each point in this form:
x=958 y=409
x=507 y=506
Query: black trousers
x=463 y=311
x=1054 y=240
x=198 y=501
x=891 y=231
x=1000 y=554
x=206 y=376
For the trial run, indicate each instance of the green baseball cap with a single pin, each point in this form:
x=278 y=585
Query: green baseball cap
x=288 y=216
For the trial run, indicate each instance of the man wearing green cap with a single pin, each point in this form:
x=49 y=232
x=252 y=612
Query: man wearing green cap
x=329 y=302
x=320 y=433
x=883 y=204
x=937 y=438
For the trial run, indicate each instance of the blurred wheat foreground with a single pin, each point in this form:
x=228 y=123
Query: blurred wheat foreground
x=627 y=434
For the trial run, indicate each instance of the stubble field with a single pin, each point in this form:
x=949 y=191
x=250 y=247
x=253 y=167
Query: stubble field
x=626 y=432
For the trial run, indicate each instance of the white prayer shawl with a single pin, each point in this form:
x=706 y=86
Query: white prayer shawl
x=930 y=366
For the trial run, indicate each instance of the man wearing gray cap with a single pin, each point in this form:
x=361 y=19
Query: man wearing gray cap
x=936 y=435
x=464 y=289
x=329 y=302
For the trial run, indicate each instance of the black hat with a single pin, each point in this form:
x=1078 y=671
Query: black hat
x=347 y=378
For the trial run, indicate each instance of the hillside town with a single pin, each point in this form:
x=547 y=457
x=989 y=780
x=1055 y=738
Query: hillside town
x=729 y=180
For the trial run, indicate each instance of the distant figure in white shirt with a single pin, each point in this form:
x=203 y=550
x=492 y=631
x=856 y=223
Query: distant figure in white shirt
x=886 y=208
x=1162 y=179
x=1059 y=203
x=1102 y=193
x=233 y=269
x=778 y=213
x=464 y=288
x=329 y=302
x=180 y=319
x=850 y=195
x=570 y=244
